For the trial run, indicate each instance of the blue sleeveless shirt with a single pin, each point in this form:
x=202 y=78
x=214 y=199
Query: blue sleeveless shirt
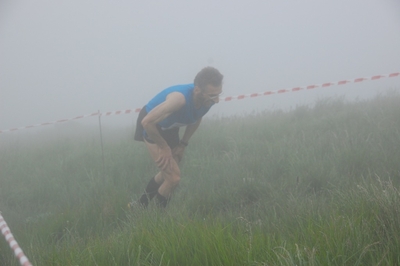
x=187 y=115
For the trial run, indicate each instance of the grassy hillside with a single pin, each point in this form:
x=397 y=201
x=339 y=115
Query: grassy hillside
x=313 y=186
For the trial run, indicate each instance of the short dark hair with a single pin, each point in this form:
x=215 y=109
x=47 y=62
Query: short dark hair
x=208 y=76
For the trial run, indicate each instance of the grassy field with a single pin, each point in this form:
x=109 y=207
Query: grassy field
x=313 y=186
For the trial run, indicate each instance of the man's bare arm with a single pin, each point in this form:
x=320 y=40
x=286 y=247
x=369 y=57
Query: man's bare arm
x=177 y=152
x=190 y=129
x=173 y=103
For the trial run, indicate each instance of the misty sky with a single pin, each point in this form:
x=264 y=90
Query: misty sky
x=60 y=59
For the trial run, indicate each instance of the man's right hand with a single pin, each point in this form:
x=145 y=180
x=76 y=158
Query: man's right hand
x=164 y=157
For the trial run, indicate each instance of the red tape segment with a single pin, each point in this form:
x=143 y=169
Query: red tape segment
x=23 y=260
x=49 y=123
x=309 y=87
x=226 y=99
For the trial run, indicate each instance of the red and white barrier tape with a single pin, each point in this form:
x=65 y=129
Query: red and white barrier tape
x=23 y=260
x=49 y=123
x=226 y=99
x=309 y=87
x=128 y=111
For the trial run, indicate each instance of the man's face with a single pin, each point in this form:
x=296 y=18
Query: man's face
x=210 y=95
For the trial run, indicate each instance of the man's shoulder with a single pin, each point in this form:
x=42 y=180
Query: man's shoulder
x=176 y=97
x=181 y=87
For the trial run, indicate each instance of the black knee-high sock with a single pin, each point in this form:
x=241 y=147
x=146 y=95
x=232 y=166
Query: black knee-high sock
x=151 y=191
x=161 y=201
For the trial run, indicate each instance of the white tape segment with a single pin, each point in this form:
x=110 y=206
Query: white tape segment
x=226 y=99
x=309 y=87
x=23 y=260
x=49 y=123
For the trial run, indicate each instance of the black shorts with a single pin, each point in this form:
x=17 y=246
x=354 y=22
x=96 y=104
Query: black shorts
x=171 y=136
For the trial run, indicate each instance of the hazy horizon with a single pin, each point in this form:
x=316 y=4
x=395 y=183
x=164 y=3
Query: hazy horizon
x=64 y=59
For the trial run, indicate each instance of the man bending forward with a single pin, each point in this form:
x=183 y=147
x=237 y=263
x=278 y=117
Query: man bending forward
x=158 y=126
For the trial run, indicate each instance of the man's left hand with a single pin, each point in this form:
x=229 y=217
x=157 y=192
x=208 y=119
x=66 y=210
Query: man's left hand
x=177 y=152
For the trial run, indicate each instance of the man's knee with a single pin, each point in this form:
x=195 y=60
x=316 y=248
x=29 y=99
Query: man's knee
x=171 y=176
x=173 y=169
x=174 y=181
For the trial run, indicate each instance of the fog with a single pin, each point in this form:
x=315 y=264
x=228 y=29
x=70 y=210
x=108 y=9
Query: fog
x=61 y=59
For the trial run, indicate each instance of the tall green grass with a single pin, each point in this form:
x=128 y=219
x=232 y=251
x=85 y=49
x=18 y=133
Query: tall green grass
x=313 y=186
